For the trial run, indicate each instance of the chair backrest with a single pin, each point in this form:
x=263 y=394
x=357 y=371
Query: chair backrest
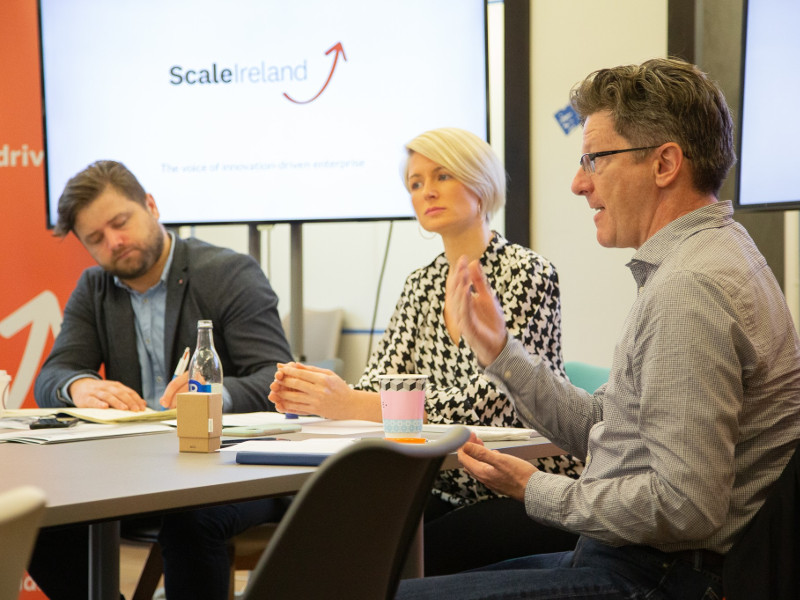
x=21 y=511
x=586 y=376
x=322 y=330
x=349 y=529
x=764 y=563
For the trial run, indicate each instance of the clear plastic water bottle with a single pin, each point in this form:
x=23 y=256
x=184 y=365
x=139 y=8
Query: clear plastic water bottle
x=205 y=369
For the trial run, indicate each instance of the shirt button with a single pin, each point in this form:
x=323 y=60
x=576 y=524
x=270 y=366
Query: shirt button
x=507 y=375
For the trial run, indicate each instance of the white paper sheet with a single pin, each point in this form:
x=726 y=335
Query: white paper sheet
x=486 y=433
x=309 y=446
x=258 y=418
x=344 y=427
x=81 y=432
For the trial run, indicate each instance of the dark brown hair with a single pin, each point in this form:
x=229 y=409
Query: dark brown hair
x=86 y=186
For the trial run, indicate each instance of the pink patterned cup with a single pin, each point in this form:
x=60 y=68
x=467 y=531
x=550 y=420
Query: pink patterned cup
x=403 y=406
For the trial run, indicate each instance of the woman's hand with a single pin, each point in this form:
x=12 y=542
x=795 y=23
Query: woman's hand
x=308 y=390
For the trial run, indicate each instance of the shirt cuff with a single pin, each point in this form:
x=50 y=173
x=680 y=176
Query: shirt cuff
x=544 y=497
x=499 y=365
x=62 y=393
x=514 y=367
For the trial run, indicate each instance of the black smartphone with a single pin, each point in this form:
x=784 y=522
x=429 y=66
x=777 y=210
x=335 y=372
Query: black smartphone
x=53 y=423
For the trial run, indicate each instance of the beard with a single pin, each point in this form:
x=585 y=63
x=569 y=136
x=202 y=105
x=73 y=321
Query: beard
x=142 y=256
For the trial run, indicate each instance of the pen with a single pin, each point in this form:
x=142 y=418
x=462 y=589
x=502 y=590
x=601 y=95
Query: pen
x=182 y=363
x=288 y=415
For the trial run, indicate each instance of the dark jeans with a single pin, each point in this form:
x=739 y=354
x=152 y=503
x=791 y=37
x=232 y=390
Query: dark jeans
x=592 y=571
x=193 y=544
x=484 y=533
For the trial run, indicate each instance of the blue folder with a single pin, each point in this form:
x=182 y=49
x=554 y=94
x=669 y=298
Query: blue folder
x=273 y=458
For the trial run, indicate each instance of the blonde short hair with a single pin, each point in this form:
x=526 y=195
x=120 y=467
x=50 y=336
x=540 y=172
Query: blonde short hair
x=469 y=158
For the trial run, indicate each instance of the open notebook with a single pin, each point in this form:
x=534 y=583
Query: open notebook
x=95 y=415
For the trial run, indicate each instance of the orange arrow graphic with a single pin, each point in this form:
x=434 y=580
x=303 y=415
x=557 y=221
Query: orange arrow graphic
x=339 y=50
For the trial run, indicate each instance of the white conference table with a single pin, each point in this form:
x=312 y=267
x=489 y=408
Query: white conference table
x=97 y=482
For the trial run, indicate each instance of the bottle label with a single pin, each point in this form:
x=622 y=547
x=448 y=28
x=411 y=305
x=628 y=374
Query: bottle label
x=196 y=386
x=205 y=388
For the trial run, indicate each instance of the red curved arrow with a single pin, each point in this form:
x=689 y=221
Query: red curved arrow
x=339 y=50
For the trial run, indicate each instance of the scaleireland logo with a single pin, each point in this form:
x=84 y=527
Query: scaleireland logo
x=261 y=72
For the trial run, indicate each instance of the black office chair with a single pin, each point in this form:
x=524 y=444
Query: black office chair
x=764 y=563
x=348 y=531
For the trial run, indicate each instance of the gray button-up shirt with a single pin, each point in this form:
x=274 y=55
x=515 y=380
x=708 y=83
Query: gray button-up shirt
x=702 y=408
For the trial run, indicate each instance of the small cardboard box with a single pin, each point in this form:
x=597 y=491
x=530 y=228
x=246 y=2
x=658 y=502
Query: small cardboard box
x=199 y=421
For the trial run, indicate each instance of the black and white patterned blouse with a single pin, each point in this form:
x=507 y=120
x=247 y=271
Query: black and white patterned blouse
x=417 y=341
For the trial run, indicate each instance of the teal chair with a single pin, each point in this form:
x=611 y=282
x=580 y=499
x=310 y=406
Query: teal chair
x=586 y=376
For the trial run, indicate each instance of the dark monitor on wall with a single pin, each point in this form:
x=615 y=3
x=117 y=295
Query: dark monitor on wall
x=256 y=111
x=769 y=128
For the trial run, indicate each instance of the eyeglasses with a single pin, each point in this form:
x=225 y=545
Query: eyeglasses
x=587 y=160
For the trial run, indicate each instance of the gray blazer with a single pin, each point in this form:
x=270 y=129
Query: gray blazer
x=205 y=282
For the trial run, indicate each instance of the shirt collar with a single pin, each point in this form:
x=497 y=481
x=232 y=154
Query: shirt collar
x=655 y=250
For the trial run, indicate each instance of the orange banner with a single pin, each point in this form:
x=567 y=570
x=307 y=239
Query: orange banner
x=37 y=271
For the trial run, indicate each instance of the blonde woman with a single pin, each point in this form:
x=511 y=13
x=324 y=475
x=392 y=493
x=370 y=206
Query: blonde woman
x=456 y=183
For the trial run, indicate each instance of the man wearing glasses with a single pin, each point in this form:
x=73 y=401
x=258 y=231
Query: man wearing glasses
x=702 y=408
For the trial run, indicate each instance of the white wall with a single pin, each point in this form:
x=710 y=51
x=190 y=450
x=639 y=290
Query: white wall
x=341 y=262
x=570 y=40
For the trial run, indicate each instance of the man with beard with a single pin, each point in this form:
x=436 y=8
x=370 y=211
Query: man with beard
x=134 y=314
